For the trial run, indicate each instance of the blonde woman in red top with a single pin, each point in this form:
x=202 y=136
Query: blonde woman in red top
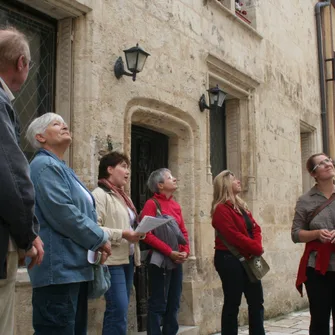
x=165 y=284
x=228 y=221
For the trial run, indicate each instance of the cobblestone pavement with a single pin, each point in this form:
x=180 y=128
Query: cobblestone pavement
x=296 y=323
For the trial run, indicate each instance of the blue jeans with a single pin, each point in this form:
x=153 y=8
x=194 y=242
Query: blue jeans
x=235 y=282
x=165 y=289
x=60 y=309
x=117 y=298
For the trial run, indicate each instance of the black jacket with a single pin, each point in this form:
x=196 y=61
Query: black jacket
x=17 y=195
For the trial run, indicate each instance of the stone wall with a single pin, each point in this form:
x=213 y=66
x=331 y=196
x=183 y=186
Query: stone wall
x=280 y=54
x=270 y=70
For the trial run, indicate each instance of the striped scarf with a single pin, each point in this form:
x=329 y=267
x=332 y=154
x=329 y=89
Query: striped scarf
x=121 y=195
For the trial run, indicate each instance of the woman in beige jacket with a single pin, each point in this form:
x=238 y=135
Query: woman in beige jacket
x=117 y=216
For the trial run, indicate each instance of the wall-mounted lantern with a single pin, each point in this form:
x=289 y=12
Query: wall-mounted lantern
x=135 y=58
x=216 y=99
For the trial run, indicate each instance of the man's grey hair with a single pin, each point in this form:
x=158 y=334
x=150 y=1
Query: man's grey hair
x=155 y=178
x=13 y=44
x=39 y=126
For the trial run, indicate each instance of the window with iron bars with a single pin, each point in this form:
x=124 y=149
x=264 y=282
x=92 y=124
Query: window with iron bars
x=218 y=156
x=36 y=96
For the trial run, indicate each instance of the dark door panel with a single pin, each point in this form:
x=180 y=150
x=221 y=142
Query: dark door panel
x=149 y=151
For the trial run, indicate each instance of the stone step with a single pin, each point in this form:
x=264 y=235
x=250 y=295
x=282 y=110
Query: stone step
x=183 y=330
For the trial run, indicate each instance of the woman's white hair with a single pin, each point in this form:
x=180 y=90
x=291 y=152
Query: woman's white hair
x=39 y=126
x=156 y=177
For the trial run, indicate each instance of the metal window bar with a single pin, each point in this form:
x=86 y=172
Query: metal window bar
x=36 y=97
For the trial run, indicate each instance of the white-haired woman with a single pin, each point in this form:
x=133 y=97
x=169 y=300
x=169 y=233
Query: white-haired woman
x=232 y=221
x=165 y=284
x=66 y=211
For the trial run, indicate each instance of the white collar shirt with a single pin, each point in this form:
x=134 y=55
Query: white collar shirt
x=7 y=90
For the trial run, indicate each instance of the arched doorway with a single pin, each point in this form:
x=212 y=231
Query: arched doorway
x=149 y=151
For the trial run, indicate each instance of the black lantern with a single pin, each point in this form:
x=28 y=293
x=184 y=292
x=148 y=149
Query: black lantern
x=216 y=98
x=135 y=58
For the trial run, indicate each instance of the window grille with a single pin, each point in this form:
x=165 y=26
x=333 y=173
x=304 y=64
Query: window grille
x=36 y=96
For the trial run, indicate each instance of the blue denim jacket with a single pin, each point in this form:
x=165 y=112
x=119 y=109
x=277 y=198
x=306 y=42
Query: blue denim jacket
x=68 y=223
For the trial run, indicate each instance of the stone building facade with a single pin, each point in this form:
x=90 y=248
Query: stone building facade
x=266 y=61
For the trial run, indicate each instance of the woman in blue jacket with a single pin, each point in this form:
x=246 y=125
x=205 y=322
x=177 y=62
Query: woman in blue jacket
x=68 y=227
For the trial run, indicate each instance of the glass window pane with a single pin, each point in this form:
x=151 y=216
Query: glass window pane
x=37 y=94
x=218 y=140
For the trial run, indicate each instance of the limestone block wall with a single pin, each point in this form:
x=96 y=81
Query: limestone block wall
x=273 y=75
x=280 y=54
x=288 y=96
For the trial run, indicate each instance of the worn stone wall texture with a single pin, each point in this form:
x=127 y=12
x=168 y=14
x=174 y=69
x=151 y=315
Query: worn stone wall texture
x=280 y=53
x=276 y=57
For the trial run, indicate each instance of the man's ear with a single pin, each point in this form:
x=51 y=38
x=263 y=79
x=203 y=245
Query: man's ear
x=40 y=138
x=21 y=63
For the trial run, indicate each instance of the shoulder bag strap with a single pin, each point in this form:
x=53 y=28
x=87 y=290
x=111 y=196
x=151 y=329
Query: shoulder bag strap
x=248 y=222
x=321 y=208
x=158 y=206
x=231 y=248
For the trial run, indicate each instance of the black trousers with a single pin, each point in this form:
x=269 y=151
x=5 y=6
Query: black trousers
x=321 y=295
x=235 y=282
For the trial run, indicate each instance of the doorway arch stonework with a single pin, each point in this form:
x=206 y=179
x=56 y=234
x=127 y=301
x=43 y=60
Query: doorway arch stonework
x=166 y=119
x=183 y=133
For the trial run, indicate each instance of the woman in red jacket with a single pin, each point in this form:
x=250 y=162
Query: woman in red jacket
x=228 y=221
x=165 y=285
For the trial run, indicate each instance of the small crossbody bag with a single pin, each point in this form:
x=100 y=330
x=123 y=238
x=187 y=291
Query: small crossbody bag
x=255 y=267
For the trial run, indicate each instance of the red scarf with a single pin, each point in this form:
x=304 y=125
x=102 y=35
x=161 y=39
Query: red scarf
x=120 y=193
x=324 y=251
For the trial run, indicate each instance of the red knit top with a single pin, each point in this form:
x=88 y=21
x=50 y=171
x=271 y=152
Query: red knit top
x=324 y=251
x=231 y=224
x=169 y=207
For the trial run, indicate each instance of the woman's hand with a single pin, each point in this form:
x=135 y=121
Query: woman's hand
x=38 y=244
x=33 y=254
x=106 y=248
x=178 y=257
x=132 y=236
x=104 y=257
x=325 y=235
x=332 y=236
x=185 y=255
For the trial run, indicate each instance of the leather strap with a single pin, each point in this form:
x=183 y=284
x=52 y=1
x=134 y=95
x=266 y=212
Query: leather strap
x=231 y=248
x=248 y=223
x=321 y=208
x=158 y=206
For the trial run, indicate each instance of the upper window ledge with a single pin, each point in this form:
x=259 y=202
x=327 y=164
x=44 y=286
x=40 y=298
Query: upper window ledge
x=220 y=6
x=59 y=9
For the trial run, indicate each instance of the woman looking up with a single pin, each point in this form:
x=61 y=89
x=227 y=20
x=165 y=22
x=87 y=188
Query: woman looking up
x=231 y=220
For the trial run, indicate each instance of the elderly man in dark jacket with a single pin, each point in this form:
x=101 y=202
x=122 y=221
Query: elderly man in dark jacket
x=18 y=224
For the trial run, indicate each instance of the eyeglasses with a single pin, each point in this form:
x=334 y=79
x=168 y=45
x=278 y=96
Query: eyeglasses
x=323 y=163
x=31 y=64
